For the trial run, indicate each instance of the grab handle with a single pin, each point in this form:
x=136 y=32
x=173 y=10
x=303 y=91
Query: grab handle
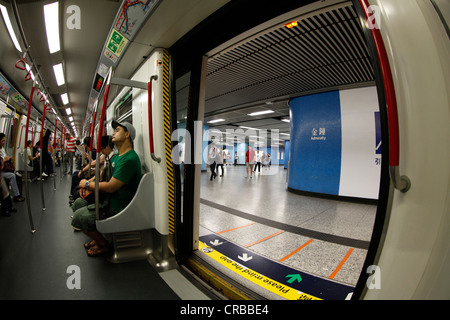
x=150 y=119
x=401 y=183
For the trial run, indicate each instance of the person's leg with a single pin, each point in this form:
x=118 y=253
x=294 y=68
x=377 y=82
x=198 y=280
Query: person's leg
x=10 y=178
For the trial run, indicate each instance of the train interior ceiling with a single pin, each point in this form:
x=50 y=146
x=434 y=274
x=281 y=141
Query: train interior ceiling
x=252 y=81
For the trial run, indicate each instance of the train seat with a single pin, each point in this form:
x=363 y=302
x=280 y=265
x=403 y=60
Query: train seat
x=20 y=164
x=130 y=231
x=138 y=215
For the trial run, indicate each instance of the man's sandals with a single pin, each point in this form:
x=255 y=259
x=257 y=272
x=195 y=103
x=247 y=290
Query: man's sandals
x=95 y=250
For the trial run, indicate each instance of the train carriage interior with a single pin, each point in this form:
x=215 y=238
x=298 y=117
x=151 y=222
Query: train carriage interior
x=288 y=151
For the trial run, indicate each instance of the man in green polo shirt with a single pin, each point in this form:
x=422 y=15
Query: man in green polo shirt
x=121 y=187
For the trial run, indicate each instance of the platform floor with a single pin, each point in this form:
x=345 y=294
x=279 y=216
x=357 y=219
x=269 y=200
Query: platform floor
x=324 y=238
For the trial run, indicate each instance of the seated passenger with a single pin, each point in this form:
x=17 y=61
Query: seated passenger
x=8 y=174
x=87 y=169
x=107 y=150
x=33 y=159
x=5 y=199
x=121 y=188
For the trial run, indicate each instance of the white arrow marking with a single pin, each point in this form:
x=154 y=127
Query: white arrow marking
x=216 y=243
x=245 y=257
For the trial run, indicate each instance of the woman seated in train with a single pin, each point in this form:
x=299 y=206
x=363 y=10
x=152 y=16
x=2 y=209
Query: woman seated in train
x=8 y=172
x=5 y=199
x=107 y=151
x=33 y=158
x=121 y=188
x=86 y=171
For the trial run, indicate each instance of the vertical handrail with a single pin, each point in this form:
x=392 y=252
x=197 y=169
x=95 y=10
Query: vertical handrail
x=42 y=157
x=401 y=183
x=99 y=145
x=92 y=137
x=53 y=155
x=30 y=217
x=150 y=119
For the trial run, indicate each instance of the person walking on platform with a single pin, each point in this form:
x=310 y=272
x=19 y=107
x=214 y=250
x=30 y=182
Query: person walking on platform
x=258 y=161
x=219 y=160
x=212 y=161
x=249 y=160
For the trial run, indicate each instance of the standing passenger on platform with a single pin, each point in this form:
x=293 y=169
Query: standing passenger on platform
x=121 y=188
x=219 y=160
x=212 y=161
x=249 y=160
x=236 y=158
x=258 y=161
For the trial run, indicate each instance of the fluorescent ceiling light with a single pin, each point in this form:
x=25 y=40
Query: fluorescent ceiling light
x=59 y=74
x=65 y=98
x=286 y=120
x=243 y=127
x=10 y=27
x=217 y=120
x=51 y=15
x=71 y=120
x=260 y=113
x=68 y=111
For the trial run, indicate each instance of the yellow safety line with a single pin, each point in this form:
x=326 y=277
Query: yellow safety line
x=255 y=277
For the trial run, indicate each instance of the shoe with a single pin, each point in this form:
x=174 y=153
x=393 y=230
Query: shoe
x=19 y=199
x=44 y=174
x=18 y=174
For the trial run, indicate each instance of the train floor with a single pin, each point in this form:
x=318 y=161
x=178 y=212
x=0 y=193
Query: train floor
x=52 y=263
x=280 y=244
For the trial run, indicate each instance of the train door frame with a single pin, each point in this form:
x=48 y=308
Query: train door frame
x=187 y=55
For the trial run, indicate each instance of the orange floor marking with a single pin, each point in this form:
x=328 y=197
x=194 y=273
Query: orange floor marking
x=295 y=251
x=261 y=240
x=236 y=228
x=341 y=264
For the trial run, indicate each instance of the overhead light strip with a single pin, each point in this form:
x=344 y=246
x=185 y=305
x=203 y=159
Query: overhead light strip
x=59 y=74
x=260 y=113
x=51 y=16
x=65 y=98
x=10 y=27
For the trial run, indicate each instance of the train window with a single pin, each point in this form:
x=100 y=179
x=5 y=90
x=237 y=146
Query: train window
x=125 y=105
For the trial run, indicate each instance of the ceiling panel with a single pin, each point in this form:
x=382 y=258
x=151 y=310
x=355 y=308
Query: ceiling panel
x=324 y=52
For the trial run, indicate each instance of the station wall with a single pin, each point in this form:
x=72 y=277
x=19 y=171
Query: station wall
x=335 y=145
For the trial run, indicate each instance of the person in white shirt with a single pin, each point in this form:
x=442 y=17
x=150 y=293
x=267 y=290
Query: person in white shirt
x=219 y=160
x=258 y=161
x=212 y=161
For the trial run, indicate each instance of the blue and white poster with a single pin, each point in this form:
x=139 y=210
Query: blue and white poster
x=315 y=153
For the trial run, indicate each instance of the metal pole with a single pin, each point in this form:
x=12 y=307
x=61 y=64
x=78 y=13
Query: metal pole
x=99 y=145
x=42 y=157
x=27 y=193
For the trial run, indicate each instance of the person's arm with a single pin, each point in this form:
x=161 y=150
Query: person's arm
x=107 y=187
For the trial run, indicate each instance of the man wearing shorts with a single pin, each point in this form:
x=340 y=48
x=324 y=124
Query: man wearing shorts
x=250 y=160
x=121 y=188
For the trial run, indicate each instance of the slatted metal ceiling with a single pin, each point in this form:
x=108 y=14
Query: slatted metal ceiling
x=325 y=51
